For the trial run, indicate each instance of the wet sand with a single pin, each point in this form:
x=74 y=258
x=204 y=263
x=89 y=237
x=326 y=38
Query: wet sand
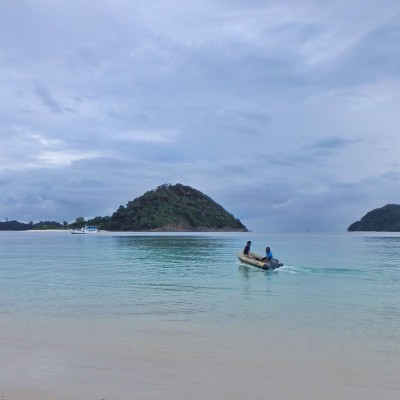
x=53 y=359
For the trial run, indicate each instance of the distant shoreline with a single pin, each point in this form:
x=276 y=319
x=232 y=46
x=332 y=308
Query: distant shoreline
x=144 y=231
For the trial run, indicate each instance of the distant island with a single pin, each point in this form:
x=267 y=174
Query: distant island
x=168 y=208
x=384 y=219
x=20 y=226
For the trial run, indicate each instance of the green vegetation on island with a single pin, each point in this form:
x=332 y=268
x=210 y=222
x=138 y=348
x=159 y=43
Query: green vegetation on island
x=384 y=219
x=20 y=226
x=168 y=208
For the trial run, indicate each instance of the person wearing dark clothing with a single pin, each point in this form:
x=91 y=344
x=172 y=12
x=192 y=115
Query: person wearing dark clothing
x=247 y=248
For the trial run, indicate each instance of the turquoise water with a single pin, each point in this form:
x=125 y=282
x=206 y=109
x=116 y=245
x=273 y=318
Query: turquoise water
x=329 y=280
x=341 y=288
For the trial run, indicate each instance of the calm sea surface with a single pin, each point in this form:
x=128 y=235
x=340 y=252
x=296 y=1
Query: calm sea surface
x=337 y=295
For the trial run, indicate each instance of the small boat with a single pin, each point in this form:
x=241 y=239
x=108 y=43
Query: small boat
x=84 y=230
x=255 y=260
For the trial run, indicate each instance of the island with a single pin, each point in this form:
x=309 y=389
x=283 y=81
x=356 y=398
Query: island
x=384 y=219
x=168 y=208
x=14 y=225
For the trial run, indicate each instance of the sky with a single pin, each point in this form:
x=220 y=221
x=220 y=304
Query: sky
x=284 y=112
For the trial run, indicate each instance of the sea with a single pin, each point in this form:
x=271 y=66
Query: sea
x=119 y=316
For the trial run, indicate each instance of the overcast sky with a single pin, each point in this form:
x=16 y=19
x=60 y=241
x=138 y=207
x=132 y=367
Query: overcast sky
x=284 y=112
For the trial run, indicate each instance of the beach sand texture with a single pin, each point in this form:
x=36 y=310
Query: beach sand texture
x=45 y=361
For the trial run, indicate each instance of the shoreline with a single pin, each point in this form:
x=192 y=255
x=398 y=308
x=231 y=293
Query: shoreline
x=170 y=316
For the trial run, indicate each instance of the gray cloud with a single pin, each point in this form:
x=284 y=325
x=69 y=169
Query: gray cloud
x=270 y=108
x=47 y=100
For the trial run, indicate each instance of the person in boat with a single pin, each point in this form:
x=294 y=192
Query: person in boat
x=246 y=250
x=268 y=255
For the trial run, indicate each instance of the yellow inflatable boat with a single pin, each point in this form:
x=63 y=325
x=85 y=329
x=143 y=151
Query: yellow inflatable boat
x=255 y=260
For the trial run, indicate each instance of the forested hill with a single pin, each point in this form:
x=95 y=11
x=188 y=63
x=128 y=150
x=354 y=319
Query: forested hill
x=171 y=208
x=20 y=226
x=384 y=219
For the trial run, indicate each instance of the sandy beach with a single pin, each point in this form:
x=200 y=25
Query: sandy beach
x=45 y=361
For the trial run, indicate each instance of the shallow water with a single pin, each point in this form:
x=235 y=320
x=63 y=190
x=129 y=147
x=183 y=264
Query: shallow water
x=161 y=315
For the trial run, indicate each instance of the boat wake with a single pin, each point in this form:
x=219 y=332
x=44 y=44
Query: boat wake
x=290 y=269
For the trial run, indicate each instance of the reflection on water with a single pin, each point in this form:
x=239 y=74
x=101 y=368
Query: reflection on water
x=385 y=250
x=174 y=250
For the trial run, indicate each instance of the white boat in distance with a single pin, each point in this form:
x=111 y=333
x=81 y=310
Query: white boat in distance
x=84 y=230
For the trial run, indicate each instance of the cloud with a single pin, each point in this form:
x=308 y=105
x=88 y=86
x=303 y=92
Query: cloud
x=286 y=113
x=47 y=100
x=151 y=137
